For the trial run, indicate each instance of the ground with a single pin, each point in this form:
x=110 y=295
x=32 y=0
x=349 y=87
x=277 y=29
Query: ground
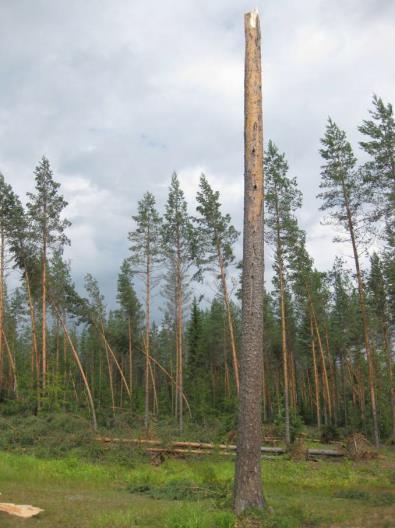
x=196 y=493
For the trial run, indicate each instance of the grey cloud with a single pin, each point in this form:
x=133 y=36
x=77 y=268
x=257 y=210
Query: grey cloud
x=120 y=94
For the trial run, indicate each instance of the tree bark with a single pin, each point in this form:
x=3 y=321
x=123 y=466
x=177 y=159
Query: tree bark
x=80 y=367
x=44 y=313
x=147 y=336
x=364 y=316
x=387 y=347
x=316 y=379
x=130 y=350
x=229 y=317
x=35 y=360
x=284 y=347
x=248 y=491
x=1 y=301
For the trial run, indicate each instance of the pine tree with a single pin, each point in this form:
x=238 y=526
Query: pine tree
x=198 y=364
x=6 y=203
x=379 y=172
x=177 y=240
x=282 y=198
x=379 y=303
x=216 y=238
x=47 y=230
x=145 y=258
x=342 y=195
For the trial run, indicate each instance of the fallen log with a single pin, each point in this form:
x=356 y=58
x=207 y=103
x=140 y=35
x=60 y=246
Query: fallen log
x=204 y=448
x=325 y=452
x=170 y=451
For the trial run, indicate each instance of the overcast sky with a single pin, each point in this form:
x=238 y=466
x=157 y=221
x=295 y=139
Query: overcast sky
x=120 y=93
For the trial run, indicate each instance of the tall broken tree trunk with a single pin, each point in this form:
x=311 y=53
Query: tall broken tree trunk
x=248 y=492
x=1 y=300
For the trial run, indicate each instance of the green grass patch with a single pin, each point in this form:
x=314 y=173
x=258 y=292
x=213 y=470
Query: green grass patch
x=375 y=499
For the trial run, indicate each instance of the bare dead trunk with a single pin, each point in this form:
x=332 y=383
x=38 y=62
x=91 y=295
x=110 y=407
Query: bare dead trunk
x=1 y=301
x=248 y=492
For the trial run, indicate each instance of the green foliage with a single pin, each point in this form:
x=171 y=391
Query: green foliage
x=296 y=423
x=145 y=239
x=215 y=235
x=45 y=209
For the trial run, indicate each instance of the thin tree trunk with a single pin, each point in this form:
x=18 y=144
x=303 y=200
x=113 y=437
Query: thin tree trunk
x=316 y=379
x=179 y=343
x=109 y=367
x=323 y=362
x=387 y=347
x=229 y=316
x=44 y=315
x=248 y=492
x=80 y=367
x=107 y=344
x=130 y=351
x=147 y=339
x=284 y=348
x=332 y=378
x=12 y=365
x=365 y=324
x=35 y=352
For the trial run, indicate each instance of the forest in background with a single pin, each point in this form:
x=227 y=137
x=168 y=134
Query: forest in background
x=328 y=348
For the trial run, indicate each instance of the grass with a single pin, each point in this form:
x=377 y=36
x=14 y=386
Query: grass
x=54 y=463
x=195 y=493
